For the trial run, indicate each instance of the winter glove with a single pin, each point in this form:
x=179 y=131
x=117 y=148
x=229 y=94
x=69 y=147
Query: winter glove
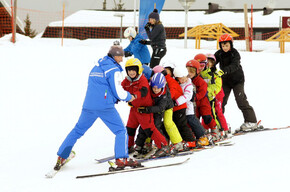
x=164 y=72
x=128 y=54
x=220 y=73
x=147 y=26
x=143 y=41
x=143 y=110
x=174 y=102
x=130 y=104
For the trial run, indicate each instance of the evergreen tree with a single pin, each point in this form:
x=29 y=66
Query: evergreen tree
x=27 y=29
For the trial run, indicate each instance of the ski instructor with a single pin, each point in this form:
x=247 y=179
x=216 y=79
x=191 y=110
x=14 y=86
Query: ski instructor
x=103 y=92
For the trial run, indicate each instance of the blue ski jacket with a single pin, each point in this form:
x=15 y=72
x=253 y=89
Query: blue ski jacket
x=104 y=85
x=139 y=50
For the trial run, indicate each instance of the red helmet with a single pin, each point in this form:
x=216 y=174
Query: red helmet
x=225 y=37
x=202 y=59
x=195 y=64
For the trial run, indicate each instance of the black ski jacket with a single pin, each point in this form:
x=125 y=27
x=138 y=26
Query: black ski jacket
x=230 y=63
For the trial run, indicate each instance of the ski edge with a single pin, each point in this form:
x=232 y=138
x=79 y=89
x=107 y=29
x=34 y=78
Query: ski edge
x=133 y=169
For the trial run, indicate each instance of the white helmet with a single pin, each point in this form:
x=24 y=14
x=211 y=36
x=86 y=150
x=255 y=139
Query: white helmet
x=168 y=63
x=130 y=31
x=180 y=71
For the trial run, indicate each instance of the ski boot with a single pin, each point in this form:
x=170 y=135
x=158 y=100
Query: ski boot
x=163 y=151
x=215 y=134
x=175 y=148
x=203 y=141
x=248 y=126
x=125 y=162
x=61 y=161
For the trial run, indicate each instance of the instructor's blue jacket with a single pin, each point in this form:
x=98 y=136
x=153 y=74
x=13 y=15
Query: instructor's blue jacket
x=104 y=85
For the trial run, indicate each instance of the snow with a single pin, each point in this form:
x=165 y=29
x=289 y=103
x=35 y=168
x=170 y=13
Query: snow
x=91 y=18
x=42 y=89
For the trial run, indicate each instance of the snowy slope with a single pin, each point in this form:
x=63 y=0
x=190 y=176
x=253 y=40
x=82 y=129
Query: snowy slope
x=42 y=89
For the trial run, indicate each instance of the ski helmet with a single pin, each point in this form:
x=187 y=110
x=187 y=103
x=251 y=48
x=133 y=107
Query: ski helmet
x=158 y=69
x=210 y=56
x=130 y=32
x=169 y=64
x=158 y=80
x=225 y=37
x=195 y=64
x=180 y=72
x=202 y=59
x=134 y=63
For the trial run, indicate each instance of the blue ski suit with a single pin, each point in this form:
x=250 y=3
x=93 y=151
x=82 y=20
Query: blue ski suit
x=139 y=50
x=104 y=90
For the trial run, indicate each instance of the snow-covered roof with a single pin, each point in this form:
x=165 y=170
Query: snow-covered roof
x=8 y=9
x=91 y=18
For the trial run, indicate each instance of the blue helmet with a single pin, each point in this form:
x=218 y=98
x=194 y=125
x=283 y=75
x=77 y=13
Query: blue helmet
x=158 y=80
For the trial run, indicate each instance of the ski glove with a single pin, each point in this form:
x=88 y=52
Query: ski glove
x=147 y=26
x=143 y=110
x=128 y=54
x=143 y=41
x=130 y=104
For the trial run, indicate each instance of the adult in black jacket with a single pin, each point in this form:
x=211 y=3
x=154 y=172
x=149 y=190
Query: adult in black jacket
x=157 y=35
x=233 y=79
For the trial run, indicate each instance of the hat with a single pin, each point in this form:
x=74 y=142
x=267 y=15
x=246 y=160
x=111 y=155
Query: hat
x=116 y=50
x=154 y=15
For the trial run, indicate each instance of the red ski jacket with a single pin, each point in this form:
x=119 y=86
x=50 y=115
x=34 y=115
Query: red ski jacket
x=139 y=88
x=175 y=91
x=202 y=102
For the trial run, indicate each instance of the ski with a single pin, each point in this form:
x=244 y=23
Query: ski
x=115 y=171
x=102 y=160
x=239 y=132
x=183 y=153
x=53 y=172
x=226 y=142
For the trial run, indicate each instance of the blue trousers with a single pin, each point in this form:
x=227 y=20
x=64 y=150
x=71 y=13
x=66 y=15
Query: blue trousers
x=112 y=120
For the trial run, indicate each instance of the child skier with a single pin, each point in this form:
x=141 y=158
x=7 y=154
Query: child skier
x=202 y=103
x=162 y=110
x=214 y=85
x=180 y=74
x=140 y=51
x=220 y=95
x=179 y=111
x=233 y=79
x=138 y=85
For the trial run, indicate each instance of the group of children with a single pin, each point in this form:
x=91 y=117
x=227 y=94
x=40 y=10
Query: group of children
x=167 y=101
x=169 y=104
x=178 y=107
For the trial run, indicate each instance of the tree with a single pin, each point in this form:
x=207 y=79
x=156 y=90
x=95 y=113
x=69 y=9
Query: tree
x=27 y=29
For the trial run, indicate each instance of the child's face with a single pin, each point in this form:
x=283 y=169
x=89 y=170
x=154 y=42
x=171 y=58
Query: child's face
x=156 y=90
x=226 y=46
x=202 y=66
x=210 y=63
x=191 y=73
x=132 y=73
x=181 y=80
x=168 y=71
